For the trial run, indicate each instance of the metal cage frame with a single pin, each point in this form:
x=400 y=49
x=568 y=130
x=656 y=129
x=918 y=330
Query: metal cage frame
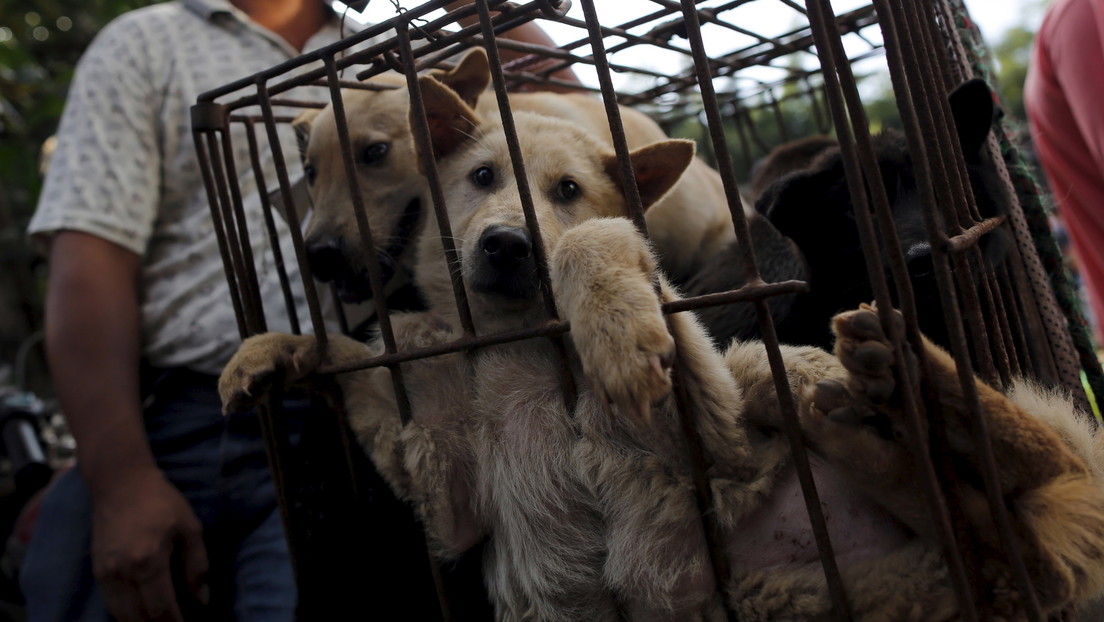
x=327 y=500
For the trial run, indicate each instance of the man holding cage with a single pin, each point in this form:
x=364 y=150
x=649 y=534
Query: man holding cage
x=171 y=508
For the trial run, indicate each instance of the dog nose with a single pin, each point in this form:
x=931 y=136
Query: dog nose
x=325 y=258
x=506 y=246
x=919 y=259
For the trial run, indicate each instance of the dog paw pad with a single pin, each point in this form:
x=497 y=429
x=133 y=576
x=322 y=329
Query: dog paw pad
x=872 y=356
x=830 y=394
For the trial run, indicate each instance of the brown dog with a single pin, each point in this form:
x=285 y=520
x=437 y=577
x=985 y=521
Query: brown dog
x=590 y=508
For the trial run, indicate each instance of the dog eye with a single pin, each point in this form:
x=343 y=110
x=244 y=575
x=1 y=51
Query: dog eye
x=309 y=173
x=483 y=176
x=376 y=152
x=568 y=189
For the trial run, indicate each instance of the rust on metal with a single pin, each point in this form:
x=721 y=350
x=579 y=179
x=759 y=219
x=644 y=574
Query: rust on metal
x=1002 y=320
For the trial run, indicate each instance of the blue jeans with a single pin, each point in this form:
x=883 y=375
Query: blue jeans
x=219 y=465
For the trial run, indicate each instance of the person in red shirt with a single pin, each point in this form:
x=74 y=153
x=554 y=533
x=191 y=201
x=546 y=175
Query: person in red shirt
x=1064 y=96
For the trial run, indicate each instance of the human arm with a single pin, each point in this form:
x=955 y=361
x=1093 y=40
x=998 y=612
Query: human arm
x=98 y=206
x=529 y=32
x=1064 y=88
x=139 y=521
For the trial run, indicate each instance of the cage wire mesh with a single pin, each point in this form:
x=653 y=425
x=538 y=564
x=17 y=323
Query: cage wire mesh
x=740 y=76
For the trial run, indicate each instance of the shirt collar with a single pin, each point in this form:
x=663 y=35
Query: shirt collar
x=208 y=8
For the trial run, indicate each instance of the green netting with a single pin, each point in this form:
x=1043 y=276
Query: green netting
x=1035 y=202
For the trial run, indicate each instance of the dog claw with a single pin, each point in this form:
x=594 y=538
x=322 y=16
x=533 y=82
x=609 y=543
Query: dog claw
x=846 y=414
x=873 y=356
x=830 y=394
x=862 y=325
x=659 y=366
x=605 y=401
x=879 y=391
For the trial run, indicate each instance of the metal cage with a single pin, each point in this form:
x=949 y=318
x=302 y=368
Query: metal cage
x=355 y=547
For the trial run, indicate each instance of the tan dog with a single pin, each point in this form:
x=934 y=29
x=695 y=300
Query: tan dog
x=590 y=510
x=691 y=223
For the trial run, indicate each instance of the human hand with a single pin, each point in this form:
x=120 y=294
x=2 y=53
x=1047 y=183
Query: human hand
x=141 y=529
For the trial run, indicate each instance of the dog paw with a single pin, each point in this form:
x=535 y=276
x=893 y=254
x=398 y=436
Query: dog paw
x=604 y=278
x=866 y=352
x=263 y=362
x=631 y=367
x=854 y=421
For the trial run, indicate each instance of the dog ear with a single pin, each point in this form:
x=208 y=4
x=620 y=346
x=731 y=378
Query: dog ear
x=451 y=121
x=469 y=78
x=657 y=167
x=975 y=111
x=302 y=126
x=792 y=202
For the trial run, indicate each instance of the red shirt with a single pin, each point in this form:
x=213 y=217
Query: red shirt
x=1064 y=96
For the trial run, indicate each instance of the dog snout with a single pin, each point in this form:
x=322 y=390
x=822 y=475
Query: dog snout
x=325 y=258
x=919 y=259
x=506 y=246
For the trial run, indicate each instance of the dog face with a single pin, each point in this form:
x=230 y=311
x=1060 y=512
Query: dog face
x=572 y=178
x=814 y=209
x=387 y=174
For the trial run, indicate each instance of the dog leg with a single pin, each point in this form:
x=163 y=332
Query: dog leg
x=425 y=462
x=604 y=277
x=1056 y=504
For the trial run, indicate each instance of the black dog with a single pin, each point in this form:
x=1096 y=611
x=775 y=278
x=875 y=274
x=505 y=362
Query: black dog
x=809 y=233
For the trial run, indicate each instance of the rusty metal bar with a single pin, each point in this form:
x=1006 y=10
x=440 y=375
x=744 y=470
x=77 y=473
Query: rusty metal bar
x=239 y=223
x=289 y=66
x=1018 y=347
x=207 y=118
x=798 y=40
x=741 y=136
x=375 y=275
x=558 y=327
x=766 y=325
x=998 y=321
x=699 y=463
x=613 y=115
x=952 y=545
x=911 y=65
x=291 y=214
x=246 y=278
x=827 y=47
x=270 y=228
x=567 y=382
x=419 y=126
x=970 y=236
x=779 y=119
x=749 y=127
x=205 y=168
x=953 y=190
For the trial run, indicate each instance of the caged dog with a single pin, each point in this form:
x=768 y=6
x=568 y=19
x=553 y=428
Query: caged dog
x=588 y=508
x=691 y=222
x=810 y=232
x=813 y=208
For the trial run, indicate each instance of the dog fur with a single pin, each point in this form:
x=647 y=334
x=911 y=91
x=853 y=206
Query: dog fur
x=690 y=224
x=789 y=157
x=589 y=507
x=813 y=208
x=809 y=232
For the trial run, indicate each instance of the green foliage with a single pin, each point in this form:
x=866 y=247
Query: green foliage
x=40 y=42
x=1011 y=56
